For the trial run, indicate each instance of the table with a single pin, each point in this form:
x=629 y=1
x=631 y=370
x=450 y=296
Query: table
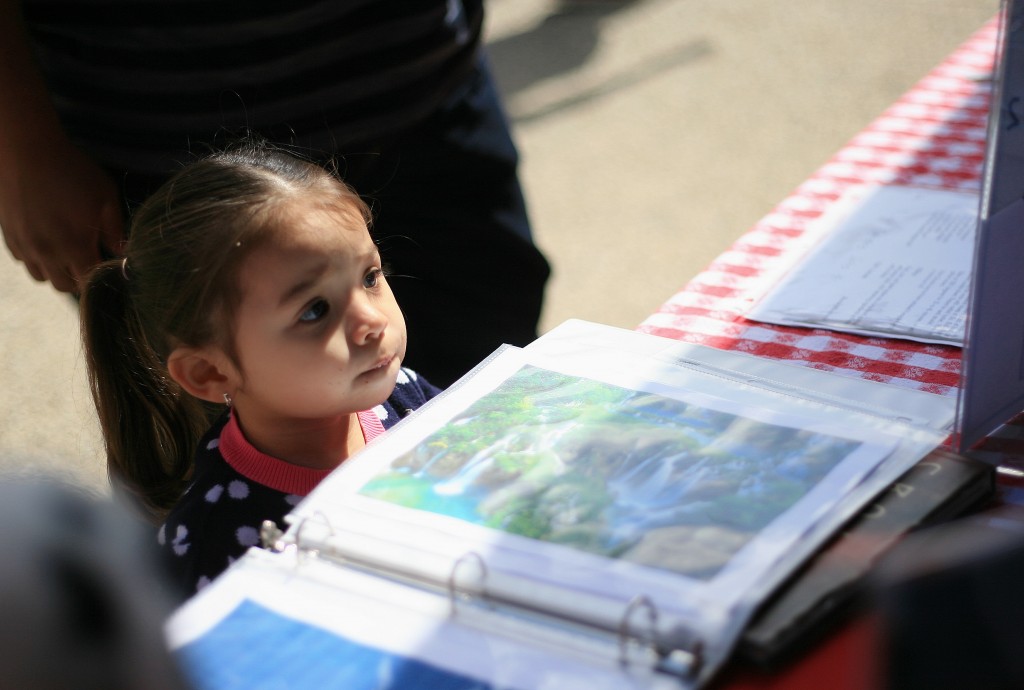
x=934 y=136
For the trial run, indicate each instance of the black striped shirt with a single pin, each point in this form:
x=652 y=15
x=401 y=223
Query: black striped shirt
x=139 y=83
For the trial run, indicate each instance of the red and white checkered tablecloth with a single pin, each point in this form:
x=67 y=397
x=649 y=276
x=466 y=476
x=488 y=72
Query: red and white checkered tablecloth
x=933 y=136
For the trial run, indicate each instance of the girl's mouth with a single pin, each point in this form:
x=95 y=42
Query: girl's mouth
x=382 y=363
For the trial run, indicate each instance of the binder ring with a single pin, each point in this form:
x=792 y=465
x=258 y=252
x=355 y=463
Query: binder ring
x=453 y=587
x=625 y=629
x=317 y=516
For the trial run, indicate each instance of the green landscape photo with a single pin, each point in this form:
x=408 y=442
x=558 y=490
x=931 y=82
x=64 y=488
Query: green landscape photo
x=611 y=471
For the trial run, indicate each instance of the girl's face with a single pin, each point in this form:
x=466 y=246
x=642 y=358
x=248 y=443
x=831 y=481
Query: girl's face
x=318 y=331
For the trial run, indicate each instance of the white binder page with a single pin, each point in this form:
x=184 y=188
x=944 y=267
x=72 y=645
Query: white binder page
x=891 y=261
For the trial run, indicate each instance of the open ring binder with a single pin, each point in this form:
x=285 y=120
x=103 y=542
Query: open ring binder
x=602 y=505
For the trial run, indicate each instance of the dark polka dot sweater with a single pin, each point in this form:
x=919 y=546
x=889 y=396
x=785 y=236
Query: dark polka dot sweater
x=235 y=488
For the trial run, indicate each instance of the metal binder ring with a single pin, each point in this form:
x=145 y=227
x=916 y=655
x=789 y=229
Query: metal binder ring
x=317 y=516
x=452 y=586
x=625 y=629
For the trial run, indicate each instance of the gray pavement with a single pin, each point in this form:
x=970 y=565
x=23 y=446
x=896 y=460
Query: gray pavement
x=652 y=133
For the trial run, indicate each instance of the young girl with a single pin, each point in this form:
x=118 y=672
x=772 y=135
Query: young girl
x=249 y=281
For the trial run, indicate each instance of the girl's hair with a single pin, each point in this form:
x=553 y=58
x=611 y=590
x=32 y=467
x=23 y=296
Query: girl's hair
x=178 y=286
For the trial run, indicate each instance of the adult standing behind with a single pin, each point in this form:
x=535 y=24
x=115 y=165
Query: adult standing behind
x=100 y=102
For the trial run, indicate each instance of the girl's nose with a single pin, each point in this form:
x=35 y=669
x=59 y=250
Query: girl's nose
x=368 y=322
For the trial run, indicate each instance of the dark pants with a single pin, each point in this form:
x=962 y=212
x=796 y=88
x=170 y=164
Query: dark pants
x=452 y=227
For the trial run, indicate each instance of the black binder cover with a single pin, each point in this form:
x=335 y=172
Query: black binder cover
x=938 y=488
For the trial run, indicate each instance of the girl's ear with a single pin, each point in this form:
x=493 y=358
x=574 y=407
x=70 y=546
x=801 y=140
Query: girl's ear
x=204 y=372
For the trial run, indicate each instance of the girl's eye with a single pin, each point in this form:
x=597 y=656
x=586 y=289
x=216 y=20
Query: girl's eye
x=371 y=279
x=315 y=311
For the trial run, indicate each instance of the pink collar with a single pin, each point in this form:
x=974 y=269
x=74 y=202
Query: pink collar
x=274 y=473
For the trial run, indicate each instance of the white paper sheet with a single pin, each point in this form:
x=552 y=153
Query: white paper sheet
x=892 y=261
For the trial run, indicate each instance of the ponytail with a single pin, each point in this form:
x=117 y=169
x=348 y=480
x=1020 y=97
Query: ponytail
x=149 y=424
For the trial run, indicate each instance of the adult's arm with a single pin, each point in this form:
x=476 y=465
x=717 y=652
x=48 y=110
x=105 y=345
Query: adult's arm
x=57 y=207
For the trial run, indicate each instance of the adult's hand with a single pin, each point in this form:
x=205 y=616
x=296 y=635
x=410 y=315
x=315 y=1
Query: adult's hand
x=59 y=212
x=57 y=207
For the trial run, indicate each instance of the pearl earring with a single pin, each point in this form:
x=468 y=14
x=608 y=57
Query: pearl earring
x=227 y=400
